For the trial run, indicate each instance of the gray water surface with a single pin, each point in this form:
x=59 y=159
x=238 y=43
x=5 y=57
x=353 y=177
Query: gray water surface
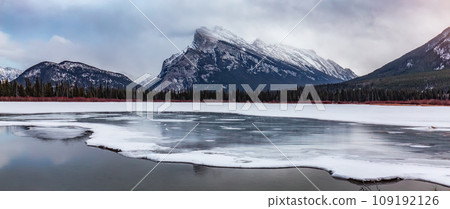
x=57 y=158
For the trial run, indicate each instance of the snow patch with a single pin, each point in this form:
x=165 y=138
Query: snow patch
x=423 y=117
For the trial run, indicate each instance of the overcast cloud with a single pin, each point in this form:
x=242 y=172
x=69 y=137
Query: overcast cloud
x=112 y=35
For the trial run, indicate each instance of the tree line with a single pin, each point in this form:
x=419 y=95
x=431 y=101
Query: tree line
x=325 y=94
x=62 y=89
x=42 y=89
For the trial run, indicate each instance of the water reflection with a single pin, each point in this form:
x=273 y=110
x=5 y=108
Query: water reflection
x=298 y=138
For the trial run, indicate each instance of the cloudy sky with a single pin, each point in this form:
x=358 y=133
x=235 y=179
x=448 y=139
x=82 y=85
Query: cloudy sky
x=112 y=34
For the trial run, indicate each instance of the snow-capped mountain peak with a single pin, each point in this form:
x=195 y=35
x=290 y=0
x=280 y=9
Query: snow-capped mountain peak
x=9 y=74
x=305 y=58
x=217 y=55
x=206 y=39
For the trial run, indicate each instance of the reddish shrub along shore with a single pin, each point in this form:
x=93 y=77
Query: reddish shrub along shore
x=56 y=99
x=65 y=99
x=82 y=99
x=411 y=102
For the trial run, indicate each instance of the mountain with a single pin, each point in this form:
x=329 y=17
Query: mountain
x=9 y=73
x=428 y=66
x=217 y=56
x=73 y=73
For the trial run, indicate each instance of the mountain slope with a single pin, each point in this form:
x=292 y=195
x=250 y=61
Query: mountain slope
x=425 y=67
x=218 y=56
x=9 y=73
x=73 y=73
x=432 y=56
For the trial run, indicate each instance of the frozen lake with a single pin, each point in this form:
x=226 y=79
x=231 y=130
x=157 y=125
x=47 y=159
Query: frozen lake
x=348 y=150
x=28 y=163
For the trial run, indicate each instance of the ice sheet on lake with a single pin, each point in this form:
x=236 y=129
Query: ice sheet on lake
x=230 y=119
x=231 y=128
x=53 y=133
x=429 y=128
x=356 y=151
x=418 y=116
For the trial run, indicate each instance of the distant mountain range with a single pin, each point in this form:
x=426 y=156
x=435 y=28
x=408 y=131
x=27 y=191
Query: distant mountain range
x=426 y=67
x=78 y=73
x=218 y=56
x=9 y=74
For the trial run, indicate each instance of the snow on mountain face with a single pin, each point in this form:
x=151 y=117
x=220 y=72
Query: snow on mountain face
x=220 y=56
x=441 y=47
x=9 y=73
x=305 y=59
x=301 y=57
x=73 y=73
x=206 y=39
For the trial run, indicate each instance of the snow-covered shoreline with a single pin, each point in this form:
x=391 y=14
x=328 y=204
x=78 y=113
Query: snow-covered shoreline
x=412 y=116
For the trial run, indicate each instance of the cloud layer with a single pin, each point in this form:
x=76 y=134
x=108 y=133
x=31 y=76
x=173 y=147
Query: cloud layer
x=113 y=35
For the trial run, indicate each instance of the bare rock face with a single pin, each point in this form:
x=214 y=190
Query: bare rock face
x=217 y=56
